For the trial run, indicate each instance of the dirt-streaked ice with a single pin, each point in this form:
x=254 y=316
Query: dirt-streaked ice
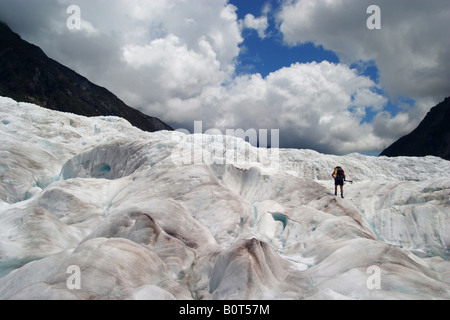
x=161 y=216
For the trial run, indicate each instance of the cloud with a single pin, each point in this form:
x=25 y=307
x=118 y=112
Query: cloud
x=411 y=50
x=150 y=44
x=312 y=104
x=168 y=65
x=259 y=24
x=175 y=61
x=385 y=125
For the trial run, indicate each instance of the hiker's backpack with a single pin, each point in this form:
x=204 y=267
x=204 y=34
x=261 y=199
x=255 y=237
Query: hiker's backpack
x=340 y=175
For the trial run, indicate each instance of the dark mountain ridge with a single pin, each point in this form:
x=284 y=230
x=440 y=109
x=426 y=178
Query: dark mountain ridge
x=27 y=74
x=430 y=138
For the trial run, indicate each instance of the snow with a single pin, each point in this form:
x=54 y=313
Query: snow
x=166 y=215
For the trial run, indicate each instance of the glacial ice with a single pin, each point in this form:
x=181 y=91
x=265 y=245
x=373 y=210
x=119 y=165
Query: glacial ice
x=166 y=215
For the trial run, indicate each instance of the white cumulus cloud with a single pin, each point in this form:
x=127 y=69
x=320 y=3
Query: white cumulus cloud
x=411 y=49
x=176 y=59
x=259 y=24
x=312 y=104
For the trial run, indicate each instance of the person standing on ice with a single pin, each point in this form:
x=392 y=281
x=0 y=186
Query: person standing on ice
x=339 y=177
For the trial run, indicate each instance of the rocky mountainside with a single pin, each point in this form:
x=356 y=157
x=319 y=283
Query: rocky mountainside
x=431 y=137
x=27 y=74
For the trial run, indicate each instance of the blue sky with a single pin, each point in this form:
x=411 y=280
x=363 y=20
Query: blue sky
x=315 y=71
x=270 y=54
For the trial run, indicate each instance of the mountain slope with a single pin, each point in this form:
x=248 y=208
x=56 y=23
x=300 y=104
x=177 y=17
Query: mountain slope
x=27 y=74
x=431 y=137
x=166 y=215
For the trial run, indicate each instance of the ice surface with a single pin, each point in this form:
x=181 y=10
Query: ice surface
x=172 y=216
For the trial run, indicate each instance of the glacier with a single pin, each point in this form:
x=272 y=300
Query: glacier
x=167 y=215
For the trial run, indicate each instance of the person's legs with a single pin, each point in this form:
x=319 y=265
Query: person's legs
x=340 y=184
